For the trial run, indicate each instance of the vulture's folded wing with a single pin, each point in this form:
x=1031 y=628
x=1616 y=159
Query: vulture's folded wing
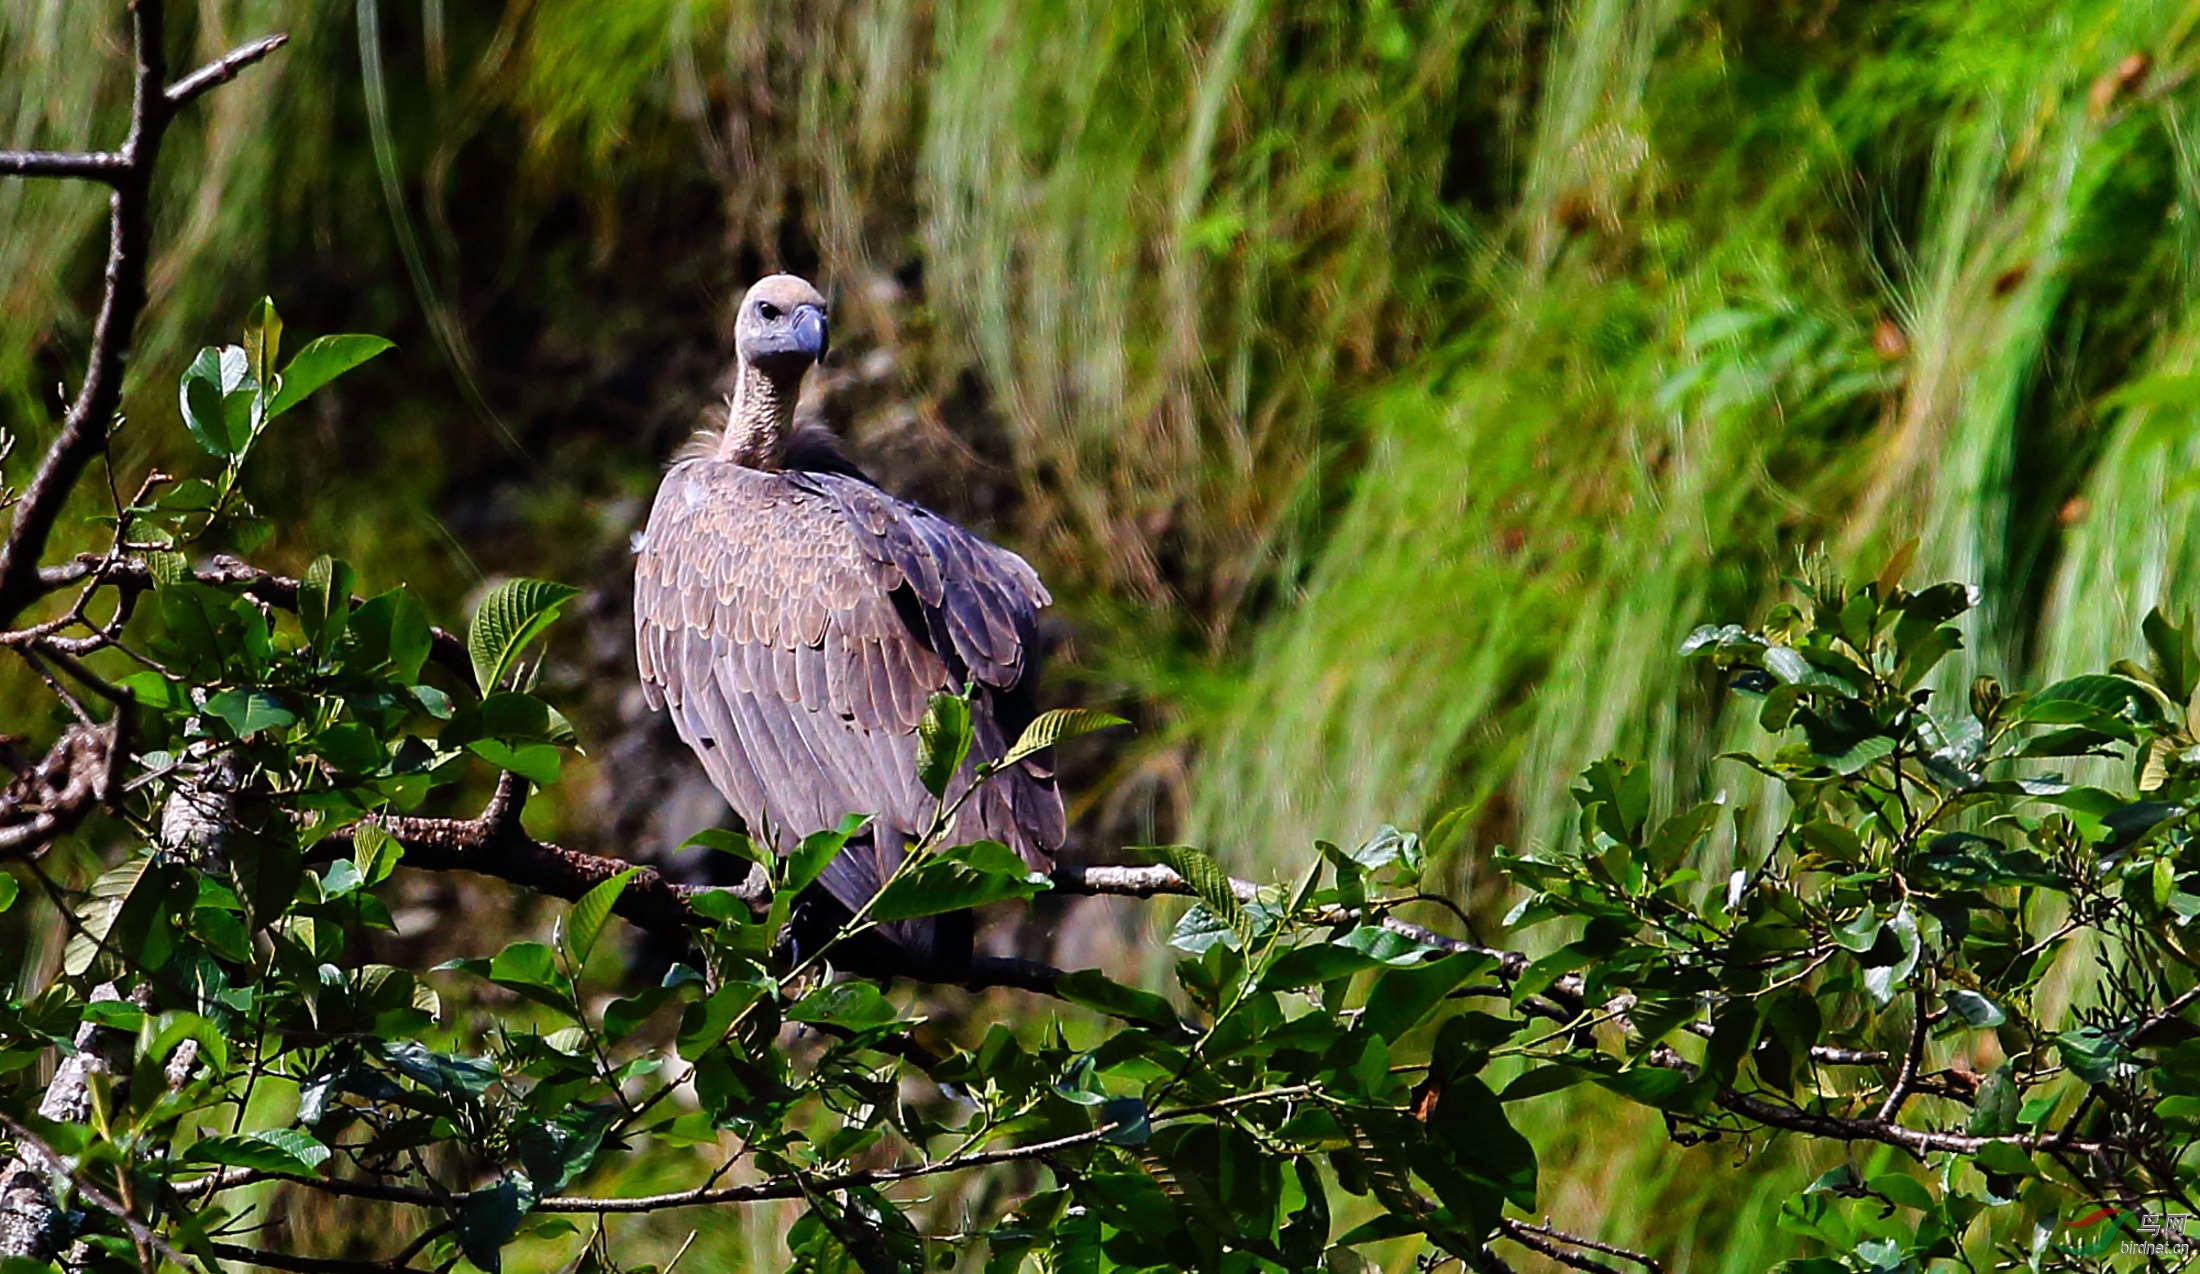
x=796 y=626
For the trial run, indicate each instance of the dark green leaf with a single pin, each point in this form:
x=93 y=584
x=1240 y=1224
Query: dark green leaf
x=248 y=711
x=943 y=740
x=1096 y=991
x=816 y=850
x=510 y=617
x=957 y=878
x=323 y=359
x=283 y=1150
x=1125 y=1121
x=1209 y=883
x=488 y=1220
x=1972 y=1007
x=855 y=1005
x=590 y=913
x=1055 y=725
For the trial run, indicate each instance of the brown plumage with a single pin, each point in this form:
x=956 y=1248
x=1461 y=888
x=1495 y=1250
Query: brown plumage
x=796 y=621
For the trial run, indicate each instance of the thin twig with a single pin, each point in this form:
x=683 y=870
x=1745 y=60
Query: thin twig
x=222 y=69
x=1575 y=1240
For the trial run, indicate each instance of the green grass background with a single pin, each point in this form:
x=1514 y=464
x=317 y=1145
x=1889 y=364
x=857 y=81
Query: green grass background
x=1385 y=388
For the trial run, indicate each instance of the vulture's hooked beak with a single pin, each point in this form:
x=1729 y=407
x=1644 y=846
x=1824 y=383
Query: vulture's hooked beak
x=810 y=335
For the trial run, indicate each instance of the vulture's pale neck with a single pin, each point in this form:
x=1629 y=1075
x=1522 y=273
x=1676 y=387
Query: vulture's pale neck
x=759 y=416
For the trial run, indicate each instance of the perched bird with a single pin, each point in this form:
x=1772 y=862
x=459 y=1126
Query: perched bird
x=796 y=620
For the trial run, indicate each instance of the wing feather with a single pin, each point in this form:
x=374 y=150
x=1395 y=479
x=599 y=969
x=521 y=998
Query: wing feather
x=797 y=625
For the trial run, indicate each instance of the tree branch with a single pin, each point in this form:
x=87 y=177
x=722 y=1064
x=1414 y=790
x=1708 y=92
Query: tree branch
x=131 y=575
x=102 y=165
x=780 y=1187
x=1515 y=1229
x=50 y=799
x=304 y=1264
x=129 y=171
x=221 y=70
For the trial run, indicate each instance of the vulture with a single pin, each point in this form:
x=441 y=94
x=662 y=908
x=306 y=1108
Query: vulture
x=796 y=620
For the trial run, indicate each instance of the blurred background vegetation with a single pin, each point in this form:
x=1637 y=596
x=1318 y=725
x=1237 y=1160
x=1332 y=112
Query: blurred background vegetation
x=1384 y=388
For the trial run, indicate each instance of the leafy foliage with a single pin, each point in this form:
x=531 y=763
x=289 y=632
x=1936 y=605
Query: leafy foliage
x=1933 y=940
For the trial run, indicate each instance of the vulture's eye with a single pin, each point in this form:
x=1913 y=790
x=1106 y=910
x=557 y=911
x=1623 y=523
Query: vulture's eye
x=766 y=310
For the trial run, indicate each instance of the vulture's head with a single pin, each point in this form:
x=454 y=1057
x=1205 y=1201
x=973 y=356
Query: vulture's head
x=781 y=328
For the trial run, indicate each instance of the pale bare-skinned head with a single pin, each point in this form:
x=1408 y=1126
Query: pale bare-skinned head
x=781 y=328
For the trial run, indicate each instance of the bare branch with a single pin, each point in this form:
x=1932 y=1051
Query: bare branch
x=1146 y=882
x=51 y=798
x=304 y=1264
x=1905 y=1080
x=1534 y=1239
x=129 y=171
x=780 y=1187
x=102 y=165
x=1514 y=1229
x=222 y=69
x=131 y=576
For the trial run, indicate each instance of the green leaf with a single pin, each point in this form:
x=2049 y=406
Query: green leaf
x=1210 y=884
x=202 y=414
x=1903 y=1190
x=816 y=850
x=220 y=400
x=556 y=1150
x=956 y=879
x=323 y=359
x=1097 y=991
x=263 y=340
x=489 y=1218
x=2092 y=1054
x=857 y=1006
x=157 y=693
x=511 y=616
x=536 y=762
x=375 y=853
x=1055 y=725
x=943 y=740
x=324 y=602
x=1198 y=929
x=1999 y=1104
x=1402 y=997
x=446 y=1073
x=2081 y=699
x=1972 y=1007
x=2176 y=660
x=1126 y=1121
x=586 y=922
x=1469 y=1128
x=727 y=841
x=248 y=711
x=284 y=1150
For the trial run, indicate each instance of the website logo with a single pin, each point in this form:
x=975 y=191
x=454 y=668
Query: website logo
x=2109 y=1231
